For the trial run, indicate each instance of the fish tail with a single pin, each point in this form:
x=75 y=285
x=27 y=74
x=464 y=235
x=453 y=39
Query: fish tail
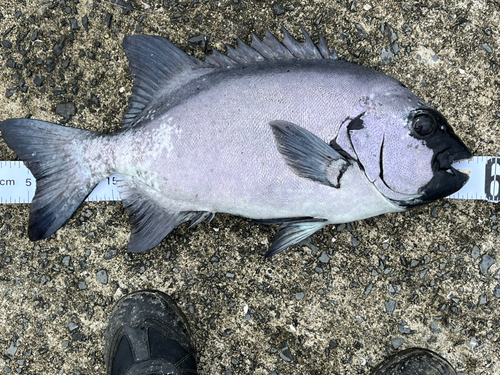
x=53 y=153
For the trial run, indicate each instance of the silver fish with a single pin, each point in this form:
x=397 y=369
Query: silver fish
x=282 y=132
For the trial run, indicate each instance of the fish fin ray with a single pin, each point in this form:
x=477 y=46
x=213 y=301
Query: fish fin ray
x=218 y=59
x=271 y=48
x=154 y=63
x=150 y=223
x=325 y=50
x=199 y=217
x=307 y=155
x=290 y=234
x=62 y=182
x=244 y=53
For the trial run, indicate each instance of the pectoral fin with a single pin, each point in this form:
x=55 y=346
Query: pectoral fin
x=307 y=155
x=292 y=232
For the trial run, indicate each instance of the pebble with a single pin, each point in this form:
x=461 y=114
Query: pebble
x=102 y=276
x=487 y=48
x=496 y=291
x=324 y=258
x=72 y=326
x=475 y=252
x=285 y=353
x=278 y=9
x=12 y=349
x=397 y=342
x=299 y=296
x=66 y=260
x=390 y=306
x=386 y=56
x=66 y=110
x=82 y=285
x=486 y=263
x=110 y=254
x=368 y=289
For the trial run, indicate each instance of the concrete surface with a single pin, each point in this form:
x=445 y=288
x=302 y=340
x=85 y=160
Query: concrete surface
x=338 y=304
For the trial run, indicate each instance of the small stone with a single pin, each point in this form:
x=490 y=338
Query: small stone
x=361 y=32
x=191 y=309
x=486 y=263
x=475 y=252
x=198 y=39
x=110 y=254
x=51 y=65
x=65 y=343
x=299 y=296
x=396 y=343
x=403 y=328
x=391 y=34
x=368 y=289
x=38 y=80
x=10 y=92
x=230 y=275
x=278 y=9
x=102 y=276
x=74 y=24
x=285 y=353
x=386 y=56
x=72 y=326
x=487 y=48
x=12 y=349
x=496 y=291
x=333 y=344
x=82 y=285
x=66 y=260
x=482 y=300
x=66 y=110
x=390 y=306
x=324 y=258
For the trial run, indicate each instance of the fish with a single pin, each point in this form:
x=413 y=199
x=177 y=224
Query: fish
x=282 y=132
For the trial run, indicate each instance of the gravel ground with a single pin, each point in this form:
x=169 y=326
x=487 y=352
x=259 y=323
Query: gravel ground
x=338 y=303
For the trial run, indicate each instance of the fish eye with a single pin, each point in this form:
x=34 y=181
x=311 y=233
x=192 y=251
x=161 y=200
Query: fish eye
x=424 y=124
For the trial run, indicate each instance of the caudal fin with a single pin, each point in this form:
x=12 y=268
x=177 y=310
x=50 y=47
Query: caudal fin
x=63 y=181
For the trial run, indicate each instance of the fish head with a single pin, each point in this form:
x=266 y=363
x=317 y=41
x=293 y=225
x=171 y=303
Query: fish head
x=406 y=149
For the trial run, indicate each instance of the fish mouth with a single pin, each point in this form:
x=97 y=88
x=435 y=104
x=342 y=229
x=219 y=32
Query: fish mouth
x=447 y=179
x=450 y=162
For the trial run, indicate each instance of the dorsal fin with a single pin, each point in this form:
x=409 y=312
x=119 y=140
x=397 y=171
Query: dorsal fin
x=158 y=66
x=218 y=59
x=155 y=64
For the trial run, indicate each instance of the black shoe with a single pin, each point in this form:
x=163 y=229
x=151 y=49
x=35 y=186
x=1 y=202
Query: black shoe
x=415 y=361
x=148 y=334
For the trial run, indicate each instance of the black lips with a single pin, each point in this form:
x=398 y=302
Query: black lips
x=448 y=148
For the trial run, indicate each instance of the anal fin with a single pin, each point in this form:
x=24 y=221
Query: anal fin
x=150 y=221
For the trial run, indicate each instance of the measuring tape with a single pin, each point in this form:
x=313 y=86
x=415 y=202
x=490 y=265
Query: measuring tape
x=17 y=184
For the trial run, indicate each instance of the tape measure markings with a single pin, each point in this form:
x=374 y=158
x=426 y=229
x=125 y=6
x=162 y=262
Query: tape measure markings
x=17 y=184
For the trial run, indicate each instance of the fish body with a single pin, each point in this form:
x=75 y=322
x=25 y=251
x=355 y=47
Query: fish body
x=282 y=133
